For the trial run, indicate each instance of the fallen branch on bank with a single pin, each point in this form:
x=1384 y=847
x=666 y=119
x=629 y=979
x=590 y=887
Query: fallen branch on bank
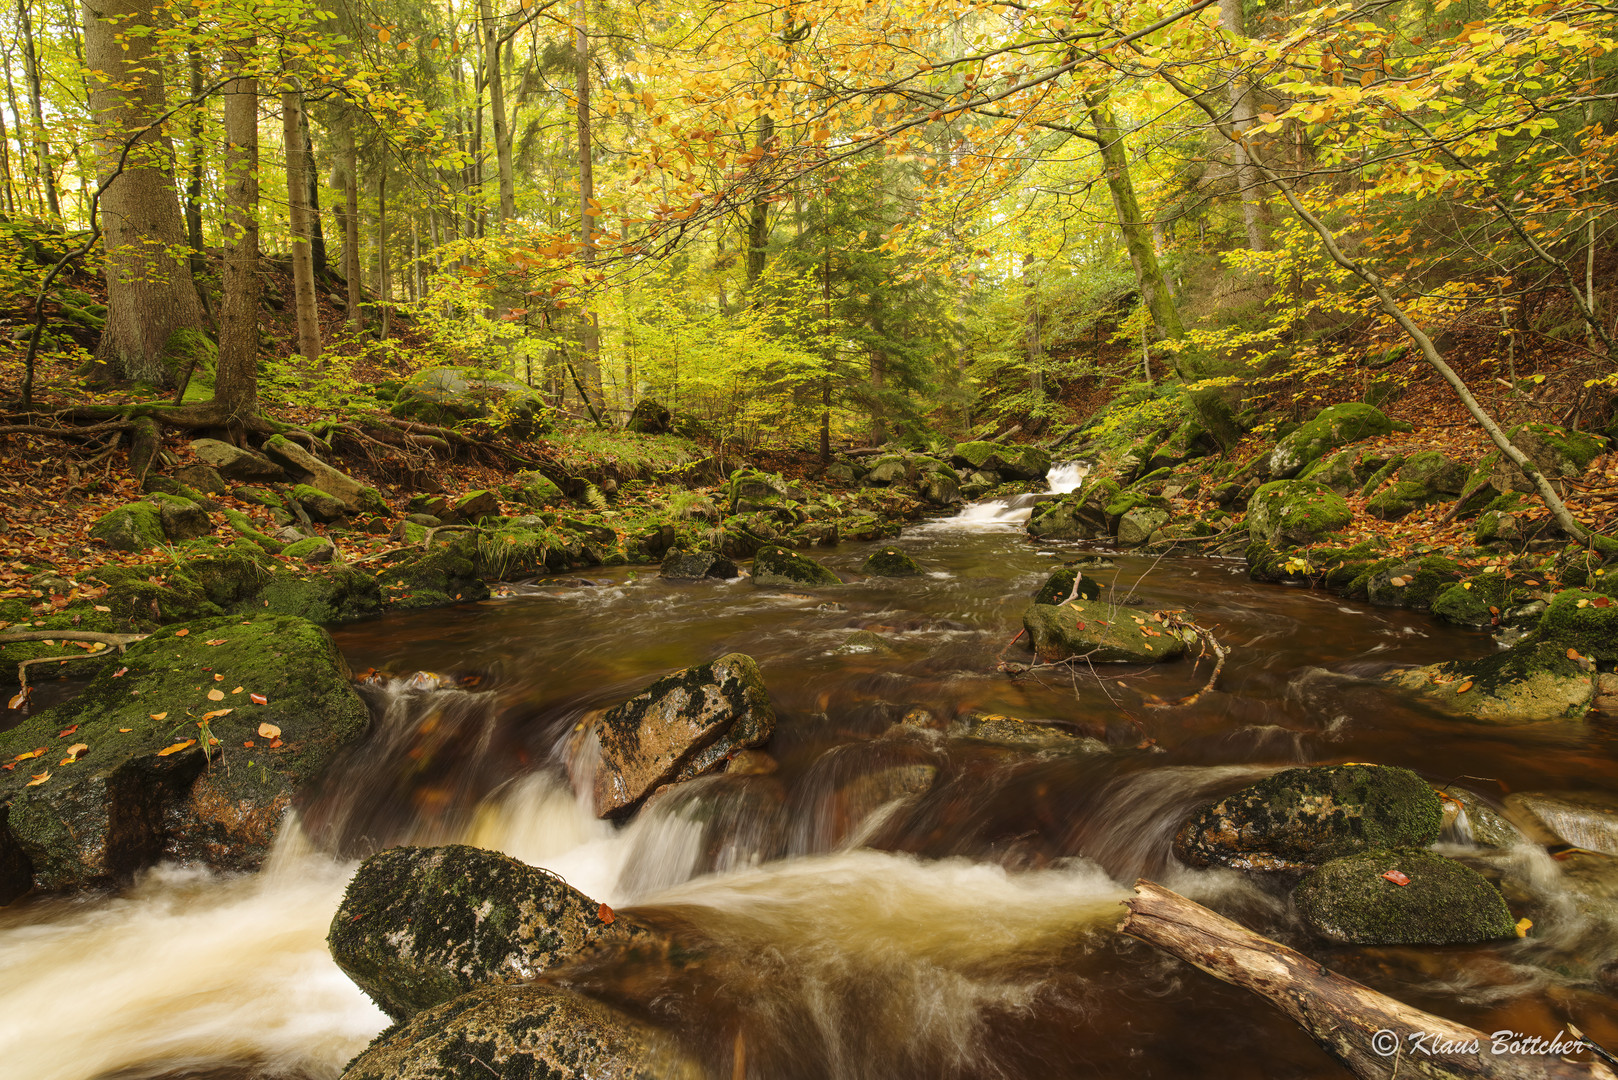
x=120 y=641
x=1375 y=1036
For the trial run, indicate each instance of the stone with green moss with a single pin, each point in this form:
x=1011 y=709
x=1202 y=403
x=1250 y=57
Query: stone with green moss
x=1476 y=602
x=1059 y=586
x=132 y=527
x=1530 y=682
x=123 y=805
x=312 y=549
x=182 y=518
x=79 y=615
x=536 y=489
x=1080 y=515
x=191 y=350
x=682 y=565
x=1337 y=425
x=148 y=596
x=1413 y=584
x=1583 y=620
x=682 y=726
x=1349 y=901
x=774 y=565
x=453 y=395
x=753 y=489
x=1300 y=818
x=1558 y=453
x=1012 y=731
x=1435 y=471
x=1140 y=524
x=1295 y=513
x=1011 y=462
x=1345 y=472
x=333 y=595
x=419 y=926
x=518 y=548
x=244 y=525
x=891 y=562
x=1381 y=476
x=318 y=504
x=445 y=574
x=258 y=496
x=1100 y=633
x=1398 y=500
x=534 y=1031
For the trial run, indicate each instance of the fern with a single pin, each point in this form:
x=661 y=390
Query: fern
x=593 y=498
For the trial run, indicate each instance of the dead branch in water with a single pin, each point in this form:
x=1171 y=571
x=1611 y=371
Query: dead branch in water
x=1373 y=1035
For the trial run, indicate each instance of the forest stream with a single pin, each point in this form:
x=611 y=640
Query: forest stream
x=965 y=931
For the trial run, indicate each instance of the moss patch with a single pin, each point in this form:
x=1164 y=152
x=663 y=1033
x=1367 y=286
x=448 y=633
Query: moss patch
x=1444 y=902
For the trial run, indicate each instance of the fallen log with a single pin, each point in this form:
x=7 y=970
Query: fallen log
x=1371 y=1034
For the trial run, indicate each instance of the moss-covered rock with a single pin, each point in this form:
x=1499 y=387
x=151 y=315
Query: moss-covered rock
x=1530 y=682
x=1345 y=472
x=1414 y=584
x=650 y=417
x=1349 y=901
x=1477 y=601
x=680 y=727
x=528 y=1032
x=182 y=518
x=1332 y=427
x=243 y=525
x=124 y=804
x=421 y=926
x=355 y=497
x=1011 y=462
x=1300 y=818
x=754 y=490
x=1559 y=453
x=864 y=643
x=142 y=602
x=537 y=490
x=312 y=549
x=1584 y=620
x=1398 y=500
x=446 y=574
x=775 y=565
x=317 y=504
x=1081 y=515
x=453 y=395
x=1059 y=586
x=1099 y=633
x=1138 y=524
x=133 y=527
x=891 y=562
x=1295 y=513
x=334 y=595
x=236 y=462
x=682 y=565
x=1022 y=734
x=1435 y=472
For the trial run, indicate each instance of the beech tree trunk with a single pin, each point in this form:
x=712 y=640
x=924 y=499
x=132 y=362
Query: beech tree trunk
x=42 y=147
x=311 y=173
x=1033 y=343
x=1368 y=1032
x=589 y=331
x=1249 y=185
x=758 y=221
x=351 y=227
x=151 y=297
x=237 y=385
x=303 y=265
x=497 y=108
x=193 y=185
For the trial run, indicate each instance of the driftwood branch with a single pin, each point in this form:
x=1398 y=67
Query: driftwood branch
x=1373 y=1035
x=121 y=641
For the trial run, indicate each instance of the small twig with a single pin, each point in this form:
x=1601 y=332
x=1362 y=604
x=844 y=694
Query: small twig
x=1220 y=652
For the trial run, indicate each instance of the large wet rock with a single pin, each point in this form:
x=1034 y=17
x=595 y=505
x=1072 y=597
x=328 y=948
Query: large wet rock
x=1351 y=902
x=682 y=726
x=449 y=395
x=134 y=527
x=650 y=417
x=124 y=803
x=527 y=1032
x=421 y=926
x=1337 y=425
x=682 y=565
x=1011 y=462
x=1300 y=818
x=1529 y=683
x=1061 y=585
x=236 y=462
x=354 y=495
x=1099 y=632
x=775 y=565
x=1023 y=734
x=891 y=562
x=1295 y=513
x=1078 y=516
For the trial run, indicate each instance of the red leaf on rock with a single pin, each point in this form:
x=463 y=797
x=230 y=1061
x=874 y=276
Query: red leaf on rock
x=1397 y=877
x=606 y=914
x=65 y=732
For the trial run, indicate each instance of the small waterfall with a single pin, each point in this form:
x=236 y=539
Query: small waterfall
x=1012 y=513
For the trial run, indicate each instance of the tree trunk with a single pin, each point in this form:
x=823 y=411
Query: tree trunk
x=351 y=227
x=237 y=385
x=317 y=234
x=589 y=331
x=30 y=63
x=758 y=220
x=24 y=172
x=385 y=294
x=1032 y=338
x=1249 y=185
x=193 y=186
x=152 y=308
x=1371 y=1034
x=497 y=109
x=303 y=264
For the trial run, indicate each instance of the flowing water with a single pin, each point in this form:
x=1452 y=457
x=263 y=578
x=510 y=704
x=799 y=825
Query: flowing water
x=849 y=920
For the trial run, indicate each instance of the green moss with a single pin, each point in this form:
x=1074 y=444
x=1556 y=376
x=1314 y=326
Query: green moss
x=891 y=562
x=1399 y=499
x=1443 y=902
x=1591 y=629
x=1381 y=476
x=1295 y=512
x=775 y=565
x=1335 y=426
x=444 y=575
x=1131 y=500
x=1468 y=603
x=244 y=525
x=186 y=347
x=1414 y=585
x=1059 y=586
x=133 y=527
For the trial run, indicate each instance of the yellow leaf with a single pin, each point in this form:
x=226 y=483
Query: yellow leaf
x=38 y=779
x=73 y=753
x=384 y=35
x=216 y=695
x=125 y=730
x=160 y=716
x=216 y=713
x=176 y=748
x=237 y=690
x=1464 y=687
x=269 y=731
x=1523 y=926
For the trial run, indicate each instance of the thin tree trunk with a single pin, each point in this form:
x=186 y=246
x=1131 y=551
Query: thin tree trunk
x=193 y=186
x=497 y=109
x=152 y=306
x=1033 y=344
x=8 y=194
x=758 y=221
x=237 y=383
x=351 y=226
x=382 y=247
x=1249 y=185
x=42 y=147
x=303 y=266
x=24 y=167
x=589 y=331
x=317 y=234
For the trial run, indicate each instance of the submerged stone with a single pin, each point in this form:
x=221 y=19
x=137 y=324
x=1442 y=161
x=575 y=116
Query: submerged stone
x=1349 y=901
x=892 y=562
x=421 y=926
x=1099 y=632
x=682 y=565
x=1586 y=819
x=682 y=726
x=775 y=565
x=1300 y=818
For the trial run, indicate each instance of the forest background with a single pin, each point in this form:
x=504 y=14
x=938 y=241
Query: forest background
x=806 y=223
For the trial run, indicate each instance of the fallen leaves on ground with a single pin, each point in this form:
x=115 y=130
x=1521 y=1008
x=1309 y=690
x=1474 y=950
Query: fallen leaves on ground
x=176 y=748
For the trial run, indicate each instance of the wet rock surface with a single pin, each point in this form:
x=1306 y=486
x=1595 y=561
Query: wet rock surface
x=1358 y=900
x=533 y=1032
x=124 y=803
x=421 y=926
x=682 y=726
x=1100 y=632
x=774 y=565
x=1300 y=818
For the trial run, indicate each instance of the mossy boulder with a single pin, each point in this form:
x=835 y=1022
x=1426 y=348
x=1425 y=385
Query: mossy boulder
x=682 y=565
x=889 y=469
x=1398 y=500
x=451 y=395
x=1349 y=901
x=1583 y=620
x=754 y=490
x=1477 y=601
x=1081 y=515
x=236 y=462
x=317 y=504
x=1012 y=731
x=891 y=562
x=312 y=550
x=1558 y=453
x=1527 y=683
x=680 y=727
x=1344 y=472
x=245 y=527
x=864 y=643
x=537 y=490
x=1332 y=427
x=133 y=527
x=1300 y=818
x=1295 y=513
x=533 y=1032
x=1413 y=584
x=1435 y=472
x=419 y=926
x=125 y=804
x=333 y=595
x=355 y=496
x=1011 y=462
x=1059 y=586
x=1138 y=524
x=650 y=417
x=775 y=565
x=182 y=518
x=446 y=574
x=1100 y=633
